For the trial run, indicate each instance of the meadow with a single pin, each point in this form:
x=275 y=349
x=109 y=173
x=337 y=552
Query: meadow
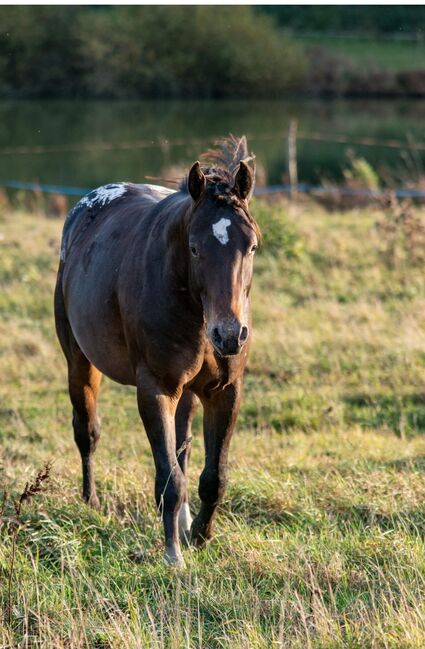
x=320 y=539
x=392 y=54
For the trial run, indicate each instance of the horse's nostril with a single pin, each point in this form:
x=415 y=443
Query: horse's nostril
x=216 y=336
x=243 y=335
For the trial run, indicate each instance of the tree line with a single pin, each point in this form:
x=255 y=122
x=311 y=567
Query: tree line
x=189 y=52
x=142 y=52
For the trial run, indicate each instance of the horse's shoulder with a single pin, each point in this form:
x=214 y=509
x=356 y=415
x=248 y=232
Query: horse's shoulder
x=90 y=207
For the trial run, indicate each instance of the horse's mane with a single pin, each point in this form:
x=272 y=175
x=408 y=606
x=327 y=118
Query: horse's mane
x=220 y=164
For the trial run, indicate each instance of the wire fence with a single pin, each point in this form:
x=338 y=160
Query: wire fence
x=300 y=188
x=290 y=136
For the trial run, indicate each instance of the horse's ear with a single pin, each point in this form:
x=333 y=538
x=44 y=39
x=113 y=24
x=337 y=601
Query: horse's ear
x=244 y=181
x=196 y=181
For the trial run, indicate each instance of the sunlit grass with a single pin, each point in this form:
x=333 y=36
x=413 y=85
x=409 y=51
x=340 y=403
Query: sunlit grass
x=319 y=541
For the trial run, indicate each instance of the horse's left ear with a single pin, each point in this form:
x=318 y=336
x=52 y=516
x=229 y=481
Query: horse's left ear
x=244 y=181
x=196 y=181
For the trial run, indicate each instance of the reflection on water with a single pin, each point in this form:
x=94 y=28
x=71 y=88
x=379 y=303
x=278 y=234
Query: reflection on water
x=77 y=123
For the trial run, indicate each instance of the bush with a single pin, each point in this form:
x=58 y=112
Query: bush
x=140 y=52
x=192 y=51
x=39 y=52
x=279 y=236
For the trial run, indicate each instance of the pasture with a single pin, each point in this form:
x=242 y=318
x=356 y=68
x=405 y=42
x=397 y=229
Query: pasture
x=320 y=540
x=392 y=55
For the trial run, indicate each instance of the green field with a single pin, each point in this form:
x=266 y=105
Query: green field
x=391 y=55
x=320 y=540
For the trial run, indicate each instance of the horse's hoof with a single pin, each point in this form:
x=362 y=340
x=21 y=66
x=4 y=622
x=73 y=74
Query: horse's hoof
x=174 y=559
x=199 y=535
x=198 y=542
x=93 y=502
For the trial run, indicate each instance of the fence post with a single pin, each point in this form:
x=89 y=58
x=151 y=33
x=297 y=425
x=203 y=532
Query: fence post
x=292 y=158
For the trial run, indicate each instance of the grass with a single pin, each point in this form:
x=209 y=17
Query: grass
x=391 y=55
x=320 y=539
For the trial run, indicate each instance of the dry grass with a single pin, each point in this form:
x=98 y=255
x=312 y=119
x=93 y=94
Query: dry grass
x=320 y=541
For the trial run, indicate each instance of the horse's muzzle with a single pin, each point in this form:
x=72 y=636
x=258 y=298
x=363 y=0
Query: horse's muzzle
x=229 y=337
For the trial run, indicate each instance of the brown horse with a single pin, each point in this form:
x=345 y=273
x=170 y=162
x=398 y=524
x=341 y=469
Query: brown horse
x=153 y=291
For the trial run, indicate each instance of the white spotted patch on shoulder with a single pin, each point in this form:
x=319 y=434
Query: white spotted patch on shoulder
x=220 y=230
x=96 y=199
x=103 y=195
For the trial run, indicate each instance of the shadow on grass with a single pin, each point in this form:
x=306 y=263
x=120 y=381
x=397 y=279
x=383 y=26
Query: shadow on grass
x=256 y=509
x=340 y=516
x=403 y=414
x=411 y=521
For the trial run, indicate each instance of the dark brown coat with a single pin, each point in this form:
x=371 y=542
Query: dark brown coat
x=153 y=291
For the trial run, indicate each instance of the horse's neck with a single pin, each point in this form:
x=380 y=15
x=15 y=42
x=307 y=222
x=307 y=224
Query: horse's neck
x=178 y=255
x=173 y=220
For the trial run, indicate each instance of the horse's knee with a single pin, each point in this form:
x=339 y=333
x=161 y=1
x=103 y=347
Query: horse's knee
x=212 y=485
x=170 y=489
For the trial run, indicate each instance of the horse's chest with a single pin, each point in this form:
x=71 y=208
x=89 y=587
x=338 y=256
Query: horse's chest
x=216 y=373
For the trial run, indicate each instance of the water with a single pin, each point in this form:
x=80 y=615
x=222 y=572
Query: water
x=76 y=124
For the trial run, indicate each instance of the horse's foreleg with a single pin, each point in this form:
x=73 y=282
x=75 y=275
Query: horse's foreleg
x=184 y=416
x=220 y=412
x=157 y=411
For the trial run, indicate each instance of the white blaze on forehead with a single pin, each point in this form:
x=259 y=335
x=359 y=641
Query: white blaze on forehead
x=220 y=230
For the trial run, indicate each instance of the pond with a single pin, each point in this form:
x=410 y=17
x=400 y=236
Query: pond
x=87 y=144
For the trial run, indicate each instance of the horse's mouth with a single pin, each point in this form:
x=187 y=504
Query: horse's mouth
x=223 y=353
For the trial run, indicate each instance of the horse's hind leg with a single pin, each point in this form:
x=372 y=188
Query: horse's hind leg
x=184 y=416
x=83 y=383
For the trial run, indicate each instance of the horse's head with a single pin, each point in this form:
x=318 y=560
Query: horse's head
x=222 y=241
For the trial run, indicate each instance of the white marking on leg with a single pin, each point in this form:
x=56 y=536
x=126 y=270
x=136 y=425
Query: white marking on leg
x=185 y=519
x=220 y=230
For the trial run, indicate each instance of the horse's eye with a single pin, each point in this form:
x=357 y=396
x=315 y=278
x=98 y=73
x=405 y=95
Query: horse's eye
x=253 y=248
x=194 y=251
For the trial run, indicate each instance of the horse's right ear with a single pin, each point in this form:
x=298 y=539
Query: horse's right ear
x=196 y=181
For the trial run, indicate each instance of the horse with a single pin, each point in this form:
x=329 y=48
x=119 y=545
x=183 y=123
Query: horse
x=153 y=291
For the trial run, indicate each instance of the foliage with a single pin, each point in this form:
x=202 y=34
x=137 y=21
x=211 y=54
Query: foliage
x=205 y=51
x=402 y=232
x=39 y=51
x=279 y=237
x=359 y=172
x=151 y=51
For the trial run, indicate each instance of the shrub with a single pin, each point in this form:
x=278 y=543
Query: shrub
x=192 y=51
x=149 y=51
